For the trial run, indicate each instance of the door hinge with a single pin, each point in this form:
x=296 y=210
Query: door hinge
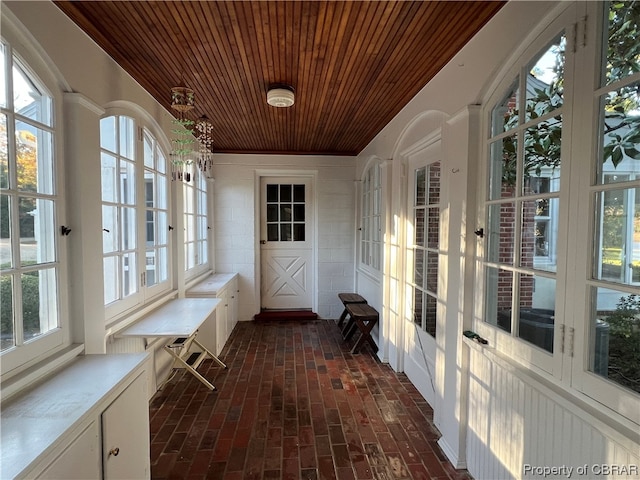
x=140 y=137
x=580 y=34
x=570 y=341
x=566 y=336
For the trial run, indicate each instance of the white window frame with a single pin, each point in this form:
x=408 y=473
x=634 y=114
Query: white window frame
x=370 y=256
x=26 y=353
x=196 y=225
x=143 y=294
x=568 y=367
x=621 y=402
x=508 y=342
x=430 y=248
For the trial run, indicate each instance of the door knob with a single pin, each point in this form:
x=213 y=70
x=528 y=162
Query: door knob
x=262 y=242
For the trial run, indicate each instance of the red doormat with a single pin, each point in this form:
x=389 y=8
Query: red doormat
x=286 y=315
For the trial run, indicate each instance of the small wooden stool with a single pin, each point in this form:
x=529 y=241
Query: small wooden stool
x=347 y=298
x=364 y=317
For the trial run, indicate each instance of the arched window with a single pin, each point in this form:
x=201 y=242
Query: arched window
x=561 y=247
x=29 y=206
x=135 y=214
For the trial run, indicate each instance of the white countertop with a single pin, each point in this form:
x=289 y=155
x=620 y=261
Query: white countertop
x=211 y=285
x=177 y=318
x=32 y=422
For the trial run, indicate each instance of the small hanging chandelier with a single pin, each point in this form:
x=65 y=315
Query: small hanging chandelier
x=182 y=101
x=205 y=152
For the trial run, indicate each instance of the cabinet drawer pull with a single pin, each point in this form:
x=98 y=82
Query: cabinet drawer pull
x=114 y=451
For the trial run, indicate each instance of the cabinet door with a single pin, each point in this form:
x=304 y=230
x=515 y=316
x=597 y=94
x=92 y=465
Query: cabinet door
x=233 y=311
x=80 y=460
x=222 y=320
x=125 y=434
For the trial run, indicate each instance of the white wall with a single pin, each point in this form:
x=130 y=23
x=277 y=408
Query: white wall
x=236 y=230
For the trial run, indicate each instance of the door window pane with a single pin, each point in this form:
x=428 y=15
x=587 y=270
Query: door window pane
x=618 y=248
x=424 y=250
x=502 y=168
x=504 y=115
x=501 y=232
x=536 y=319
x=620 y=134
x=499 y=297
x=285 y=213
x=545 y=81
x=538 y=245
x=622 y=52
x=542 y=145
x=615 y=337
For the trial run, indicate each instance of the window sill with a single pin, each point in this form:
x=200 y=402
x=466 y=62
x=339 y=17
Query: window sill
x=601 y=417
x=130 y=317
x=36 y=372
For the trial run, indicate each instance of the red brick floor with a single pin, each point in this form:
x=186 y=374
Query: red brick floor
x=294 y=404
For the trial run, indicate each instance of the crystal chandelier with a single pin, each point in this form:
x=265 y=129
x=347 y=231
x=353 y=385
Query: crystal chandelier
x=182 y=101
x=205 y=152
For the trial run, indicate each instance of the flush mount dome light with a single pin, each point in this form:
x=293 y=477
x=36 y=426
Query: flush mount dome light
x=280 y=96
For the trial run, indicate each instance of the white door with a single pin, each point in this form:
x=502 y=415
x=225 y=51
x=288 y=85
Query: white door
x=423 y=248
x=286 y=241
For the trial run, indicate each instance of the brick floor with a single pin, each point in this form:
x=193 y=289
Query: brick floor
x=294 y=404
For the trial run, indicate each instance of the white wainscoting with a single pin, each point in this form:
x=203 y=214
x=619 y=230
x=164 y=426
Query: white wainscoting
x=515 y=422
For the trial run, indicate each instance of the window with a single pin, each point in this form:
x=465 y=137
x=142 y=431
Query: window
x=561 y=249
x=134 y=214
x=425 y=246
x=371 y=220
x=156 y=270
x=29 y=206
x=286 y=217
x=524 y=201
x=196 y=223
x=614 y=340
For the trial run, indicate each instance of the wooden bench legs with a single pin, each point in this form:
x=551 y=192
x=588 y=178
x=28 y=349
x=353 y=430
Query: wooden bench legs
x=347 y=298
x=363 y=317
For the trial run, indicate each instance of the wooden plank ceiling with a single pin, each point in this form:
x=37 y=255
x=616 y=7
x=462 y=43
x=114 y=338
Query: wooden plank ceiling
x=353 y=64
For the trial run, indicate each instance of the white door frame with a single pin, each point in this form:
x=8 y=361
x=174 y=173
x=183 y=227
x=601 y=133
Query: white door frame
x=312 y=176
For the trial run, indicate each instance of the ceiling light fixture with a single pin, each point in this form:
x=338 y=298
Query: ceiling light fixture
x=281 y=96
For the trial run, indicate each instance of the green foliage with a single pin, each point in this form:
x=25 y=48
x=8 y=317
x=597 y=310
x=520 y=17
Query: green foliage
x=621 y=129
x=624 y=342
x=30 y=304
x=6 y=306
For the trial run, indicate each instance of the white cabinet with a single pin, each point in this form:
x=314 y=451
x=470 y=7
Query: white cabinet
x=83 y=453
x=65 y=427
x=125 y=434
x=215 y=332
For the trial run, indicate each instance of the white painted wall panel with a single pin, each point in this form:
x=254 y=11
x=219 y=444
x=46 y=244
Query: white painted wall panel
x=513 y=423
x=236 y=231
